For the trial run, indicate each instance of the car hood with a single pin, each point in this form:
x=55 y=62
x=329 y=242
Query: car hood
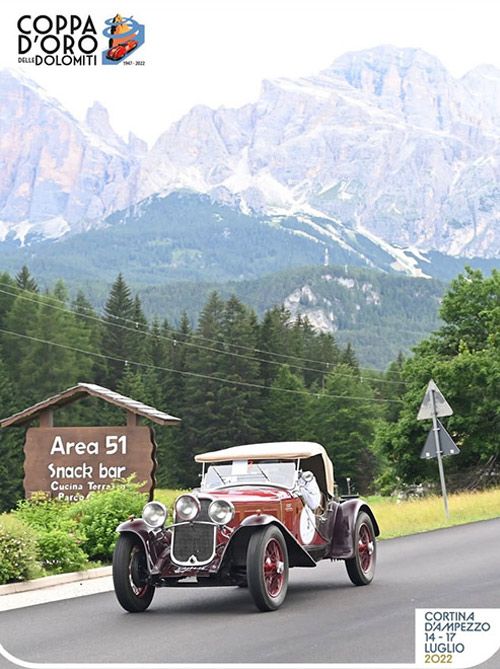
x=249 y=494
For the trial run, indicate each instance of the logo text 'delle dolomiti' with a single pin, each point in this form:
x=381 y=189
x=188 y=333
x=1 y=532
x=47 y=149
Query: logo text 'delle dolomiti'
x=74 y=40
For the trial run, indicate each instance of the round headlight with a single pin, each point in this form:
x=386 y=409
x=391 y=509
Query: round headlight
x=154 y=514
x=221 y=511
x=187 y=507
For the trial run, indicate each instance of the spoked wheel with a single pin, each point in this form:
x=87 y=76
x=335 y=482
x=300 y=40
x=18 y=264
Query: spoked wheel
x=267 y=568
x=130 y=574
x=361 y=567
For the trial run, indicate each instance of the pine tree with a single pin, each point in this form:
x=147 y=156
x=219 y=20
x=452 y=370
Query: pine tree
x=240 y=412
x=11 y=447
x=321 y=355
x=201 y=415
x=348 y=357
x=132 y=384
x=55 y=359
x=86 y=317
x=303 y=336
x=156 y=348
x=141 y=335
x=175 y=457
x=286 y=413
x=20 y=323
x=88 y=336
x=118 y=337
x=25 y=281
x=274 y=341
x=8 y=292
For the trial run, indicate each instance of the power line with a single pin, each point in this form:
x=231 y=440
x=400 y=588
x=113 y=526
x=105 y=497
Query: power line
x=195 y=374
x=240 y=346
x=256 y=350
x=192 y=336
x=174 y=340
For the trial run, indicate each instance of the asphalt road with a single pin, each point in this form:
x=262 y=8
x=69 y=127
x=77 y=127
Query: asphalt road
x=325 y=619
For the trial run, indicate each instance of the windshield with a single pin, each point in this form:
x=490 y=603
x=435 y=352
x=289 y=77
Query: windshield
x=248 y=472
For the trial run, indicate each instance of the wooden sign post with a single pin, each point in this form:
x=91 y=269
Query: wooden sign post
x=72 y=462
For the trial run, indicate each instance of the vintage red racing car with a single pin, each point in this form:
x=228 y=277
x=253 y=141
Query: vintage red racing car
x=120 y=50
x=260 y=509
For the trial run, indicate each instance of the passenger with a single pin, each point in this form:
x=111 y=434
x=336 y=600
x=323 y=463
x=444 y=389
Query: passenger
x=309 y=490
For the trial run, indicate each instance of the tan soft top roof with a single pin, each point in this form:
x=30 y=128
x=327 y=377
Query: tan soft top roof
x=281 y=450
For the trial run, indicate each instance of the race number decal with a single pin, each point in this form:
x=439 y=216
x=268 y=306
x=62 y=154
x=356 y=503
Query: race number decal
x=307 y=526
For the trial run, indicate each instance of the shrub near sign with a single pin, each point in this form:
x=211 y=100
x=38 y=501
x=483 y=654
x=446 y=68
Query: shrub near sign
x=71 y=462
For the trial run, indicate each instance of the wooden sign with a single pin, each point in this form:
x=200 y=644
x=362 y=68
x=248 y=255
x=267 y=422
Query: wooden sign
x=71 y=462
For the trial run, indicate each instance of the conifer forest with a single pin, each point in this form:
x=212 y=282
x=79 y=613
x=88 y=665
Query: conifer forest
x=234 y=377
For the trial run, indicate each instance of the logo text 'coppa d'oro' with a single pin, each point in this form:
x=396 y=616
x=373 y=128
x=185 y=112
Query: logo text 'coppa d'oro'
x=57 y=40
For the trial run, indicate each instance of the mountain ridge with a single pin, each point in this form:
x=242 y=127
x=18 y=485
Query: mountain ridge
x=383 y=144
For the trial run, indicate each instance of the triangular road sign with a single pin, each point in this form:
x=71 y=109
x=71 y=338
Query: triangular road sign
x=442 y=406
x=446 y=443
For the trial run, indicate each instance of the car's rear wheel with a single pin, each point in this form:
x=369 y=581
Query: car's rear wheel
x=267 y=568
x=361 y=567
x=130 y=574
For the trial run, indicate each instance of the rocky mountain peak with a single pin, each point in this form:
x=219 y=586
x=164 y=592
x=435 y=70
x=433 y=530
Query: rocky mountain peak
x=408 y=82
x=383 y=59
x=97 y=121
x=136 y=145
x=385 y=143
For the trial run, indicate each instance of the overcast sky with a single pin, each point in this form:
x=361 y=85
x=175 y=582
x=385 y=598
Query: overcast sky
x=217 y=52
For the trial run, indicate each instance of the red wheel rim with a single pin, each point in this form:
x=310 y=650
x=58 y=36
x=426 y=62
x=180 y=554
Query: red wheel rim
x=274 y=567
x=365 y=548
x=134 y=567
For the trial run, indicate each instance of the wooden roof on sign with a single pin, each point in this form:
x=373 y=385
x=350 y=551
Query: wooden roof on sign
x=77 y=392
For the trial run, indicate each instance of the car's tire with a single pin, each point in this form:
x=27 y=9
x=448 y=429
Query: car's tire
x=267 y=568
x=130 y=573
x=361 y=567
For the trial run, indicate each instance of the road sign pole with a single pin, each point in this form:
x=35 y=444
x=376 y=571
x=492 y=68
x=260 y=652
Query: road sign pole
x=438 y=453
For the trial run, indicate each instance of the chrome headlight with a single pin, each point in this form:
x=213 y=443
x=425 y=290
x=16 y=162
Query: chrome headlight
x=187 y=507
x=221 y=511
x=154 y=514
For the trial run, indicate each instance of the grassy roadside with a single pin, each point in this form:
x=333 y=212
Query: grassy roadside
x=397 y=519
x=421 y=515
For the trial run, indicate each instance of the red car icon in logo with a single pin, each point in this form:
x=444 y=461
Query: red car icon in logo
x=121 y=50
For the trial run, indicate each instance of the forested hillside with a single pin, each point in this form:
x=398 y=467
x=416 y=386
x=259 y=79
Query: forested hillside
x=236 y=378
x=381 y=314
x=186 y=236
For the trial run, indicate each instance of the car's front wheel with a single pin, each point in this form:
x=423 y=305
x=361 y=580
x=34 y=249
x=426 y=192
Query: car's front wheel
x=130 y=574
x=267 y=568
x=361 y=567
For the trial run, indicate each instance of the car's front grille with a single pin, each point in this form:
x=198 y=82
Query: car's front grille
x=194 y=543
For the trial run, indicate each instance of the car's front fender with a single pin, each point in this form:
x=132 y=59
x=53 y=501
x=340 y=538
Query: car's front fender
x=297 y=555
x=137 y=527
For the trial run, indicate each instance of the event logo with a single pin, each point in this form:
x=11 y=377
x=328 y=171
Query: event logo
x=72 y=40
x=57 y=40
x=125 y=36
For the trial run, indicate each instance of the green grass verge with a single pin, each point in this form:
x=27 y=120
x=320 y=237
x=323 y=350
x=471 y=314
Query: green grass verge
x=397 y=519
